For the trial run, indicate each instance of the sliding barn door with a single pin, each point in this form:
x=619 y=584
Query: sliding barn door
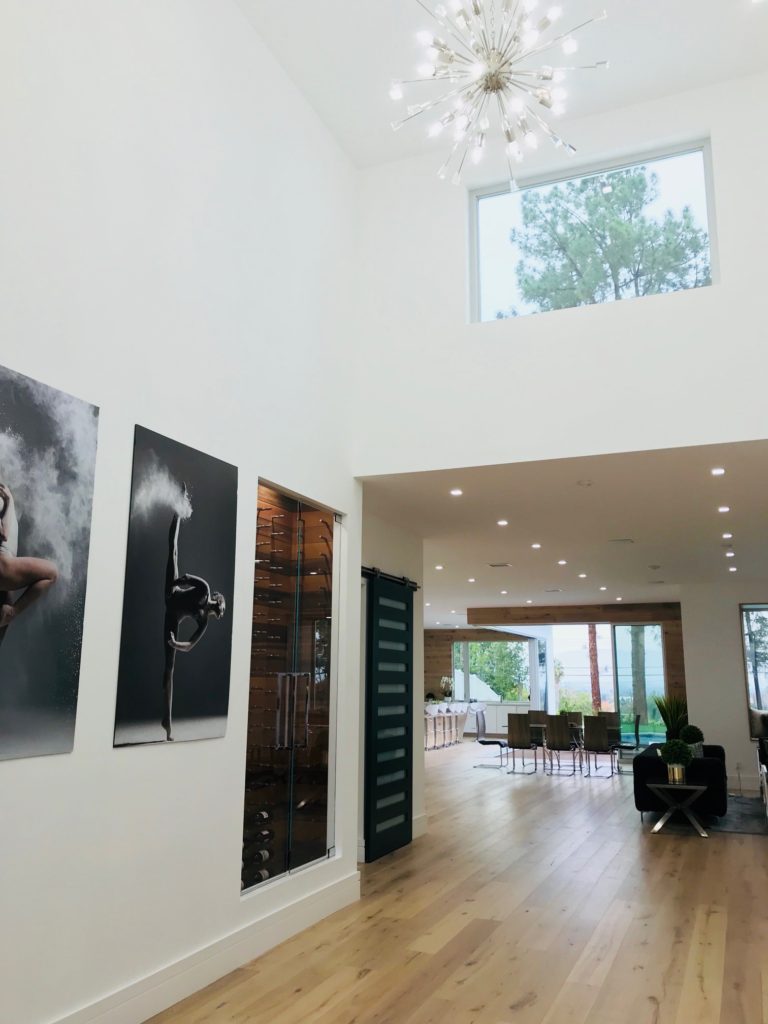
x=389 y=718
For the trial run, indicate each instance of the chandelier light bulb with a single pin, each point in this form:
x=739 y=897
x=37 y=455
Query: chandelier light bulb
x=491 y=58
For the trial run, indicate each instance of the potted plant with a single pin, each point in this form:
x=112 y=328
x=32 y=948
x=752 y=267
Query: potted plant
x=694 y=737
x=674 y=714
x=676 y=755
x=446 y=687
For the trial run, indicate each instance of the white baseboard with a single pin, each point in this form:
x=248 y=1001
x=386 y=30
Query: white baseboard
x=419 y=826
x=142 y=999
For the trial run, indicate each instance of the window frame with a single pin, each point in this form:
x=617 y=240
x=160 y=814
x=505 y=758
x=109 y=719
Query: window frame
x=585 y=170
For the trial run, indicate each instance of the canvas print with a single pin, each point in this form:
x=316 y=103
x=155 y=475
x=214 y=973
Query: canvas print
x=47 y=464
x=175 y=650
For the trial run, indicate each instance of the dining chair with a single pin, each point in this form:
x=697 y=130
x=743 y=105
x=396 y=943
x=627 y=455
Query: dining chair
x=519 y=738
x=559 y=740
x=479 y=712
x=597 y=741
x=537 y=720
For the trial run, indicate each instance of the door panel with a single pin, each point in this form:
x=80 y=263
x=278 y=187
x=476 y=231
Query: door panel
x=389 y=718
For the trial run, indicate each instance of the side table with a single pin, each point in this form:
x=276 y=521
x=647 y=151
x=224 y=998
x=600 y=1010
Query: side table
x=678 y=797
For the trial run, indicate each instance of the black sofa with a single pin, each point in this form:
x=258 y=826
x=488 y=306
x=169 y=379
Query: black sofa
x=708 y=771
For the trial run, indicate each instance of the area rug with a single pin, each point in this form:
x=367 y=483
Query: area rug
x=746 y=816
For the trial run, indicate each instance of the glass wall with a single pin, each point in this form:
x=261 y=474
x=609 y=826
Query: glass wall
x=754 y=620
x=492 y=671
x=639 y=658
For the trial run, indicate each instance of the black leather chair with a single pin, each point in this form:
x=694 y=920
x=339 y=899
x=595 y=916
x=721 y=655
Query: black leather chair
x=706 y=771
x=479 y=712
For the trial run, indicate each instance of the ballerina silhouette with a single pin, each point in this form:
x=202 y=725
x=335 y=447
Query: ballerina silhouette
x=186 y=597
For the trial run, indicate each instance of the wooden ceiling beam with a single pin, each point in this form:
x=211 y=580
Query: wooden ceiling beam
x=578 y=614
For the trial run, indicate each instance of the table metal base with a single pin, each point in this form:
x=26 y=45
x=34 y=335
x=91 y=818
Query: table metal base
x=665 y=792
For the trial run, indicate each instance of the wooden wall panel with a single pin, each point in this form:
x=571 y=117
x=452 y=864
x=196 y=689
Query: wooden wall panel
x=581 y=614
x=674 y=659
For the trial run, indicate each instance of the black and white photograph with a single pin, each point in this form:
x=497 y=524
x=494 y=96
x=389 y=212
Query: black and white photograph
x=176 y=643
x=47 y=465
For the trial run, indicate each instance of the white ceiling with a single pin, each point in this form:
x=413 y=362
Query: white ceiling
x=577 y=509
x=343 y=54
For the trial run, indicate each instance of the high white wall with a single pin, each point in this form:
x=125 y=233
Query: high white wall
x=176 y=228
x=715 y=673
x=668 y=370
x=664 y=371
x=392 y=549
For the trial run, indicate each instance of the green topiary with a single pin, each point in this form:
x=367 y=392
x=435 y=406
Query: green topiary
x=691 y=734
x=674 y=714
x=676 y=752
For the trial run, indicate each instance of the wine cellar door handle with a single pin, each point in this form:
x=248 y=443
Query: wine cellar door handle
x=302 y=682
x=283 y=710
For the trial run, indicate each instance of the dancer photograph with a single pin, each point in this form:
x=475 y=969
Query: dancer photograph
x=186 y=597
x=47 y=465
x=32 y=576
x=176 y=642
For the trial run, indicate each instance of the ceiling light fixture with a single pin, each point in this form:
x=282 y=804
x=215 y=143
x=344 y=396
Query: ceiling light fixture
x=502 y=522
x=428 y=604
x=582 y=575
x=486 y=52
x=471 y=580
x=456 y=492
x=562 y=562
x=536 y=547
x=529 y=601
x=504 y=593
x=727 y=536
x=733 y=569
x=439 y=568
x=730 y=554
x=619 y=598
x=717 y=471
x=724 y=508
x=603 y=588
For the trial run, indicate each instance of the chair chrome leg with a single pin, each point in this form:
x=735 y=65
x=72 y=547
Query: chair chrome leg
x=513 y=770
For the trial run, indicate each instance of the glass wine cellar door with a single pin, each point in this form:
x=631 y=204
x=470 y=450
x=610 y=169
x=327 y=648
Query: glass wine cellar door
x=289 y=772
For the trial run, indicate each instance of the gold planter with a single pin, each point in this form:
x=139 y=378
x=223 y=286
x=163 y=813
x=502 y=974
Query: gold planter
x=676 y=774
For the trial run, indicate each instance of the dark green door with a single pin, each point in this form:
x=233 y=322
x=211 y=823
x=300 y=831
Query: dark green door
x=389 y=718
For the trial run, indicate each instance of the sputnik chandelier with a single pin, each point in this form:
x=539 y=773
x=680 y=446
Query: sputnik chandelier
x=487 y=52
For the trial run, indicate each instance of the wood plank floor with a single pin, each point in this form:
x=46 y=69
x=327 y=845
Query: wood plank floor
x=530 y=901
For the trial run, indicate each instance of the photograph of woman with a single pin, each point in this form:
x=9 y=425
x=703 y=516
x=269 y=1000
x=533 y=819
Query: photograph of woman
x=47 y=465
x=175 y=649
x=186 y=597
x=33 y=576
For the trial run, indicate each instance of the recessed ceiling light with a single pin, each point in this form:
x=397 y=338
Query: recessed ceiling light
x=453 y=611
x=562 y=562
x=727 y=536
x=471 y=580
x=619 y=598
x=428 y=604
x=730 y=554
x=733 y=569
x=724 y=508
x=504 y=592
x=437 y=623
x=717 y=471
x=529 y=601
x=582 y=575
x=536 y=547
x=603 y=588
x=439 y=568
x=456 y=492
x=502 y=522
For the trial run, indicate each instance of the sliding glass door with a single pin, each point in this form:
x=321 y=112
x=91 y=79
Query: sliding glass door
x=639 y=674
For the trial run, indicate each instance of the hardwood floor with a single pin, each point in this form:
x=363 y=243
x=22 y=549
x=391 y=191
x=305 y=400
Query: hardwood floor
x=530 y=901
